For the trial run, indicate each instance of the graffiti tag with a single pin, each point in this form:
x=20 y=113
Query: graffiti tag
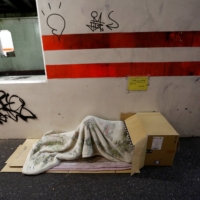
x=13 y=107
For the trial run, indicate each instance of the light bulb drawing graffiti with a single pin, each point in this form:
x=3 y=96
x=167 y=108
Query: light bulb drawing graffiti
x=55 y=22
x=97 y=24
x=13 y=107
x=60 y=26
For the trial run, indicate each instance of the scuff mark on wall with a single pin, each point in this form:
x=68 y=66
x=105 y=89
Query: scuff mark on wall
x=13 y=107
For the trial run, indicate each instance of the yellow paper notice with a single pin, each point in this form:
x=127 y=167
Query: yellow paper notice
x=138 y=83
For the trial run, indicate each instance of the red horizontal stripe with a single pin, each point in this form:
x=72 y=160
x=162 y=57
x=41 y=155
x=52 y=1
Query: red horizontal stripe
x=122 y=40
x=123 y=70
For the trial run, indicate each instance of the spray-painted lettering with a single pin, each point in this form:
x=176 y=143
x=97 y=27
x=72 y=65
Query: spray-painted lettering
x=13 y=107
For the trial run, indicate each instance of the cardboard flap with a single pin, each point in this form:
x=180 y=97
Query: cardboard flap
x=139 y=155
x=135 y=129
x=139 y=139
x=155 y=124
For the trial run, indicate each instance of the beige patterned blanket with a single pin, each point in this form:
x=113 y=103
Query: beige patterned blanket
x=93 y=137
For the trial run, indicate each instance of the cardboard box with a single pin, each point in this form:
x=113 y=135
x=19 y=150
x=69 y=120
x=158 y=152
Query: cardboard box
x=154 y=139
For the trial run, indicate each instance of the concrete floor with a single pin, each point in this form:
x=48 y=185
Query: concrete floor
x=181 y=181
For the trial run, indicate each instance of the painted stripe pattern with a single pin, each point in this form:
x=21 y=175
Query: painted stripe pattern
x=123 y=70
x=122 y=54
x=122 y=40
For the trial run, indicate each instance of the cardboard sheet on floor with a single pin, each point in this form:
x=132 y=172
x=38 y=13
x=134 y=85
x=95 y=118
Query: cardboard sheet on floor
x=14 y=155
x=7 y=168
x=16 y=160
x=30 y=142
x=21 y=158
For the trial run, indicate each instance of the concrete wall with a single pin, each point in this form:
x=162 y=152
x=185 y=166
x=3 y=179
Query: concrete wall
x=27 y=44
x=61 y=104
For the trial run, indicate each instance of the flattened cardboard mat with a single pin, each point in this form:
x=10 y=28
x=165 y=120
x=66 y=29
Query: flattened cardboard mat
x=16 y=161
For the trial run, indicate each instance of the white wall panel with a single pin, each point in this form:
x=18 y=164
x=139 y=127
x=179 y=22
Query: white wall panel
x=132 y=15
x=61 y=104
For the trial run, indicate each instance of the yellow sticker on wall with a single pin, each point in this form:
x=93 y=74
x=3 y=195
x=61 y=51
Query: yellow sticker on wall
x=138 y=83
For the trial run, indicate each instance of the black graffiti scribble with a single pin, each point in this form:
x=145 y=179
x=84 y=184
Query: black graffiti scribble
x=56 y=23
x=13 y=107
x=49 y=6
x=110 y=26
x=96 y=24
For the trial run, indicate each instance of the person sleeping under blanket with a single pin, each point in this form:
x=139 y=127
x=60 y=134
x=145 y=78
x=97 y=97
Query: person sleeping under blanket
x=93 y=137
